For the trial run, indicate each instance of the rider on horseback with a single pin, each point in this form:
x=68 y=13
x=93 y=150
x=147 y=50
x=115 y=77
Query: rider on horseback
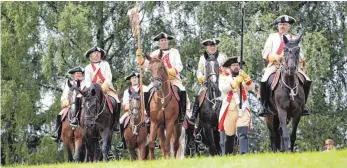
x=99 y=71
x=77 y=74
x=273 y=53
x=172 y=60
x=210 y=53
x=133 y=88
x=232 y=120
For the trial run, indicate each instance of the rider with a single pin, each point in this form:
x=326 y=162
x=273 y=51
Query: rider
x=272 y=53
x=210 y=53
x=77 y=74
x=99 y=71
x=172 y=60
x=231 y=119
x=133 y=88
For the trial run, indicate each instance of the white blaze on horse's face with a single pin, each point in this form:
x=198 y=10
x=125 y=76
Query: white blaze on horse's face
x=135 y=107
x=158 y=71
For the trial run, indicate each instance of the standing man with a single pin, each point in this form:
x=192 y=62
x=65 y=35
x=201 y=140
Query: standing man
x=272 y=53
x=99 y=71
x=77 y=74
x=172 y=60
x=231 y=119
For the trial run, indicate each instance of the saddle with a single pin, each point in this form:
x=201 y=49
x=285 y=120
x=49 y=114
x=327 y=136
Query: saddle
x=174 y=89
x=272 y=83
x=275 y=77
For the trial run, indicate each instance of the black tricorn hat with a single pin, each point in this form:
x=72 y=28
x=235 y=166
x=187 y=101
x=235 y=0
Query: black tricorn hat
x=232 y=60
x=285 y=19
x=131 y=75
x=95 y=48
x=210 y=42
x=162 y=35
x=76 y=69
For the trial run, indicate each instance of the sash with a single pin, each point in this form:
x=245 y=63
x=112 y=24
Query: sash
x=97 y=73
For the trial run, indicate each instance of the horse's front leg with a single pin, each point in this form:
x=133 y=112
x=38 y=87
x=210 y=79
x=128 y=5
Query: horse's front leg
x=162 y=139
x=169 y=133
x=152 y=136
x=105 y=135
x=270 y=125
x=78 y=148
x=282 y=115
x=295 y=124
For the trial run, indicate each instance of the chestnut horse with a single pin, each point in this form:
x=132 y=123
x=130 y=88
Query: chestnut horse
x=163 y=111
x=73 y=137
x=135 y=133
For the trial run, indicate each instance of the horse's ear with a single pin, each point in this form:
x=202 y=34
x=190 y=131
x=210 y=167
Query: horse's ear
x=285 y=39
x=148 y=57
x=300 y=37
x=69 y=83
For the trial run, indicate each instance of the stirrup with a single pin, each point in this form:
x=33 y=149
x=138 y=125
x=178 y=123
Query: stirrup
x=306 y=112
x=156 y=145
x=116 y=128
x=120 y=146
x=198 y=138
x=74 y=122
x=147 y=122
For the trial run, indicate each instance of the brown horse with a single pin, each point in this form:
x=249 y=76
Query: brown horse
x=163 y=111
x=288 y=99
x=135 y=133
x=73 y=137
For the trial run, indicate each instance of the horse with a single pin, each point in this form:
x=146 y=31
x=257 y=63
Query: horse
x=135 y=133
x=97 y=122
x=287 y=99
x=164 y=111
x=209 y=110
x=72 y=137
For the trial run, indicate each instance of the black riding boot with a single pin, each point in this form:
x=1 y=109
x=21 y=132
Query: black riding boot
x=195 y=109
x=57 y=132
x=307 y=86
x=121 y=145
x=183 y=106
x=242 y=133
x=229 y=145
x=115 y=118
x=264 y=99
x=147 y=107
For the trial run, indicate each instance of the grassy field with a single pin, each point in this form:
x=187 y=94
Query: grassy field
x=314 y=160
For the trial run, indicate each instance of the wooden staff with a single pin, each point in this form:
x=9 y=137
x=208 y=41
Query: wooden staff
x=135 y=25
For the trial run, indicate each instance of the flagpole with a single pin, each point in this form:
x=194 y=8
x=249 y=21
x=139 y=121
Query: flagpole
x=241 y=52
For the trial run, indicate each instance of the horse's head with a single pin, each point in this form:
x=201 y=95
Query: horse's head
x=93 y=103
x=158 y=70
x=212 y=72
x=74 y=90
x=135 y=105
x=291 y=54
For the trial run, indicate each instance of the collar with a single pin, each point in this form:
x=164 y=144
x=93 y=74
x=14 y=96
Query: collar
x=166 y=49
x=96 y=62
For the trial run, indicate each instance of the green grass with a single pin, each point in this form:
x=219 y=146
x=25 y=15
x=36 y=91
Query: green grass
x=278 y=160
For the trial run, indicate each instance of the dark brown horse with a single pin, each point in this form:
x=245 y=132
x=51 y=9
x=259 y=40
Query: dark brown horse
x=71 y=136
x=163 y=111
x=288 y=99
x=135 y=133
x=97 y=123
